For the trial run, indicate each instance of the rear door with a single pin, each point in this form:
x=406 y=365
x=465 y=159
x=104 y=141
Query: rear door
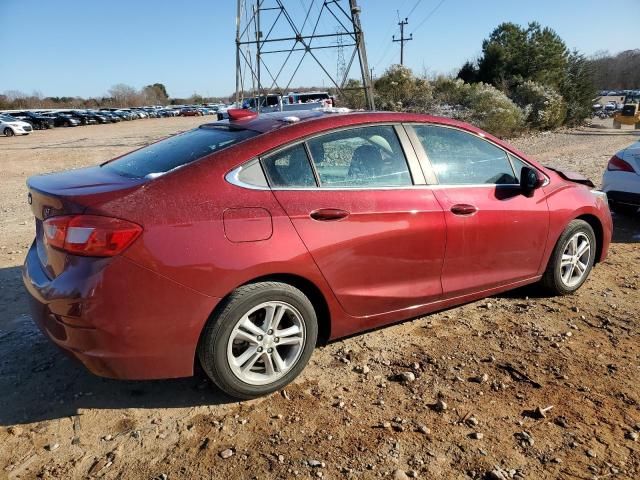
x=495 y=234
x=358 y=201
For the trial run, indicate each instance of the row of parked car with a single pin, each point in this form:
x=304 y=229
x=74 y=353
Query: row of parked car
x=24 y=122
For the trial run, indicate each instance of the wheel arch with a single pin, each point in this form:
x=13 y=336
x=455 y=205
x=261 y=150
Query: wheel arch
x=596 y=225
x=313 y=293
x=305 y=285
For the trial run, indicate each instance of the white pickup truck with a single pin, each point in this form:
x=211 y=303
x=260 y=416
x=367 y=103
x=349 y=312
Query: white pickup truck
x=291 y=102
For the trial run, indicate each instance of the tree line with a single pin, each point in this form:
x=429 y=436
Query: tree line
x=526 y=78
x=616 y=72
x=120 y=95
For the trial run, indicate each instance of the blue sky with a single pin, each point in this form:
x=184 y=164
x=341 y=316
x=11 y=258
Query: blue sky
x=83 y=47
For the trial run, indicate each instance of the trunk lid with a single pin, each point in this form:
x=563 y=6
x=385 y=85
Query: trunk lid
x=69 y=193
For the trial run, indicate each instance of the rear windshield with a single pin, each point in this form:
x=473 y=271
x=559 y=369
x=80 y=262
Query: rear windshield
x=176 y=151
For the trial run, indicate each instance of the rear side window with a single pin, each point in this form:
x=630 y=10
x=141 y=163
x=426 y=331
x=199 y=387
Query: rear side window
x=173 y=152
x=289 y=168
x=459 y=158
x=360 y=157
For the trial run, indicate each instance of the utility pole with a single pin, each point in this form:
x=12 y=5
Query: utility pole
x=402 y=39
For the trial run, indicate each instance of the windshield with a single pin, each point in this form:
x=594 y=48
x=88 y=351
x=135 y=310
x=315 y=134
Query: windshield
x=173 y=152
x=7 y=118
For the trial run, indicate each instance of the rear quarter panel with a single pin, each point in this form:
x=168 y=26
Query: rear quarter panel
x=184 y=238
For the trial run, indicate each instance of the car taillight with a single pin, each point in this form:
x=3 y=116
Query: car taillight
x=90 y=235
x=616 y=163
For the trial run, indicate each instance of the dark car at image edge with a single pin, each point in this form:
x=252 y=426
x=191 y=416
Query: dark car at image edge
x=242 y=244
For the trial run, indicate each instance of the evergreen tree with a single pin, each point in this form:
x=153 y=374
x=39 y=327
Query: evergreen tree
x=578 y=88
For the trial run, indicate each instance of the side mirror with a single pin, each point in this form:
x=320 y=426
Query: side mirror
x=530 y=180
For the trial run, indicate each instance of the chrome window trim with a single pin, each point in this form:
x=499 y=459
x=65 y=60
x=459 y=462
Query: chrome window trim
x=233 y=177
x=418 y=161
x=403 y=145
x=338 y=189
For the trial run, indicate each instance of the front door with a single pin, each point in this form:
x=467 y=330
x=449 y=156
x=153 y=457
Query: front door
x=495 y=234
x=378 y=239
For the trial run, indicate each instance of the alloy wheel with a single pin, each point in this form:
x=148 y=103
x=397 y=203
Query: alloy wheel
x=266 y=343
x=575 y=259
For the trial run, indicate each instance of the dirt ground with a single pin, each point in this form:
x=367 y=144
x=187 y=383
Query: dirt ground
x=480 y=370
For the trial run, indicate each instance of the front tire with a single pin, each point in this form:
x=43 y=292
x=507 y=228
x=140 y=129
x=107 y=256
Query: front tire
x=572 y=259
x=259 y=339
x=8 y=132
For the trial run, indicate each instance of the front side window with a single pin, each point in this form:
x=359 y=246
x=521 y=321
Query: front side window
x=460 y=158
x=289 y=168
x=360 y=157
x=517 y=166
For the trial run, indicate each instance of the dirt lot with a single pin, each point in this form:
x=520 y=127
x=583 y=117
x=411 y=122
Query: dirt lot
x=480 y=371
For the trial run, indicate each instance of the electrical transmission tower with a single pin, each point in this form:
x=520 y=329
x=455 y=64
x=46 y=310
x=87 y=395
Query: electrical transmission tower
x=341 y=65
x=402 y=39
x=272 y=45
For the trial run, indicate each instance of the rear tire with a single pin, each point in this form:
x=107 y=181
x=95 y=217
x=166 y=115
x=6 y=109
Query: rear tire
x=571 y=260
x=617 y=125
x=244 y=353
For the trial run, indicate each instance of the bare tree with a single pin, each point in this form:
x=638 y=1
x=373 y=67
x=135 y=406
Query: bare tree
x=620 y=71
x=125 y=95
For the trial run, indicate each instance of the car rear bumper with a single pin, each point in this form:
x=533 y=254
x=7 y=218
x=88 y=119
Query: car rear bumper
x=119 y=319
x=622 y=187
x=628 y=198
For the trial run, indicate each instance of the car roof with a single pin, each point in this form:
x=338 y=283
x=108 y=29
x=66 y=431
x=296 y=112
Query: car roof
x=324 y=119
x=311 y=122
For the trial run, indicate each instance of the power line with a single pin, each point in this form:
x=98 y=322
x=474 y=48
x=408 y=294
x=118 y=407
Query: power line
x=384 y=54
x=434 y=10
x=414 y=8
x=386 y=34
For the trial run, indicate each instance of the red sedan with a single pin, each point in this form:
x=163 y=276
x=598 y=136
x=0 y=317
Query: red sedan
x=243 y=243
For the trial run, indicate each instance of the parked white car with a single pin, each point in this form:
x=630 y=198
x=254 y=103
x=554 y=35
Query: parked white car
x=10 y=126
x=621 y=180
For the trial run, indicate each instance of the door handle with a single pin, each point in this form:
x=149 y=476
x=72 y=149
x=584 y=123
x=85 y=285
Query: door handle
x=463 y=209
x=328 y=214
